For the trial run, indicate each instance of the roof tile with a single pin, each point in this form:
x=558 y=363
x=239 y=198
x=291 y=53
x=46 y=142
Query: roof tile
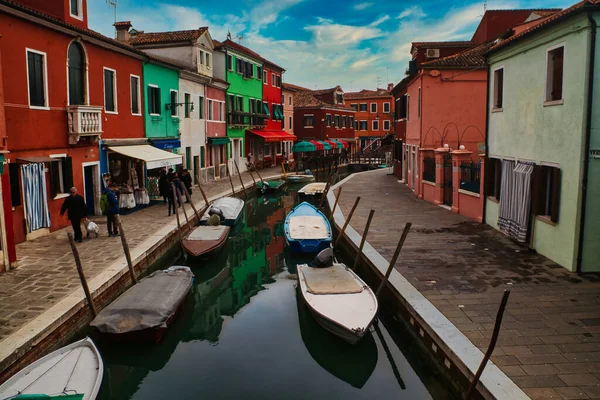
x=167 y=37
x=367 y=94
x=470 y=58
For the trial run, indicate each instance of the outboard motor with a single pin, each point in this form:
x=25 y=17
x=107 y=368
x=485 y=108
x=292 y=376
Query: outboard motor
x=324 y=259
x=264 y=188
x=216 y=211
x=308 y=172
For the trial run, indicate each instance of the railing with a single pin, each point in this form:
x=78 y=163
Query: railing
x=429 y=169
x=237 y=118
x=84 y=121
x=470 y=176
x=258 y=120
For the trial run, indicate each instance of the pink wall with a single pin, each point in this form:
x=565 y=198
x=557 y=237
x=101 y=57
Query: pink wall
x=428 y=191
x=413 y=124
x=470 y=206
x=215 y=129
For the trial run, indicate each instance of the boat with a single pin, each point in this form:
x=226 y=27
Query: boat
x=313 y=189
x=300 y=178
x=144 y=312
x=307 y=230
x=231 y=207
x=269 y=186
x=205 y=239
x=340 y=301
x=71 y=372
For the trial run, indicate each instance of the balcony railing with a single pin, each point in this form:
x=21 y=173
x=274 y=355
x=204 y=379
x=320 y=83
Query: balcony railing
x=237 y=118
x=258 y=120
x=84 y=121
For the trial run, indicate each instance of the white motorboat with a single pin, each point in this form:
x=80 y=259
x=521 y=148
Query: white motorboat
x=313 y=189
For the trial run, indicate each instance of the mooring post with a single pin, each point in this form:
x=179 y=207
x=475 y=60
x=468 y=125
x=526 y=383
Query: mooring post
x=394 y=259
x=188 y=196
x=337 y=197
x=126 y=248
x=230 y=179
x=490 y=349
x=363 y=240
x=202 y=191
x=324 y=194
x=180 y=201
x=283 y=169
x=347 y=221
x=257 y=173
x=250 y=166
x=241 y=180
x=177 y=214
x=86 y=289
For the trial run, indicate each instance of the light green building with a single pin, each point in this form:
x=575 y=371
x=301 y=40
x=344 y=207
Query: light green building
x=540 y=145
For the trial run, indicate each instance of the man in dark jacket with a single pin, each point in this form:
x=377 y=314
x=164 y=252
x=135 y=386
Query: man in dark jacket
x=163 y=184
x=74 y=205
x=111 y=211
x=186 y=179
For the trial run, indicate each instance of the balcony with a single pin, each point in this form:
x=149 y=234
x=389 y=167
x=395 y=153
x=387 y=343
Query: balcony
x=84 y=121
x=258 y=120
x=237 y=118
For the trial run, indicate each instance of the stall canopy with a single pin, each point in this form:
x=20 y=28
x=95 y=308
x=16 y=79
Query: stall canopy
x=317 y=144
x=303 y=147
x=335 y=144
x=219 y=140
x=326 y=146
x=343 y=143
x=273 y=136
x=154 y=158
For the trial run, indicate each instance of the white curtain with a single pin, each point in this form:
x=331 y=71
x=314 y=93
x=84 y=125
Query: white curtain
x=33 y=178
x=515 y=199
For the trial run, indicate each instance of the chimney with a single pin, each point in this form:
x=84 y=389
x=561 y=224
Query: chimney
x=123 y=30
x=390 y=87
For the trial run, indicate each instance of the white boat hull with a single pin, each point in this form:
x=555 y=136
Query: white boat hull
x=73 y=369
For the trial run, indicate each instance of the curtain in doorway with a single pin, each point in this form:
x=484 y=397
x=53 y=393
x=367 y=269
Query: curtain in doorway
x=515 y=199
x=35 y=196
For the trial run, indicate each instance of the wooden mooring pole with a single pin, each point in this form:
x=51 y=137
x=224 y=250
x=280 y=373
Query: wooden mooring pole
x=337 y=198
x=347 y=221
x=202 y=191
x=180 y=201
x=250 y=172
x=177 y=213
x=230 y=179
x=241 y=180
x=84 y=284
x=257 y=173
x=394 y=259
x=188 y=196
x=363 y=240
x=492 y=345
x=126 y=248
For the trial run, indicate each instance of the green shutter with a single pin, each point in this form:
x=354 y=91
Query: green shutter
x=188 y=158
x=54 y=179
x=202 y=157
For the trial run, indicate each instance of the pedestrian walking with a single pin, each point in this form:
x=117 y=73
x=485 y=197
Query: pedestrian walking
x=171 y=196
x=74 y=206
x=178 y=186
x=112 y=210
x=163 y=185
x=170 y=174
x=186 y=179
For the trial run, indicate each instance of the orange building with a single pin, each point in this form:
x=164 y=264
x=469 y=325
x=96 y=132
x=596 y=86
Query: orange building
x=374 y=116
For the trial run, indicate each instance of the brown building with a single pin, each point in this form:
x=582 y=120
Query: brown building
x=323 y=115
x=288 y=91
x=374 y=113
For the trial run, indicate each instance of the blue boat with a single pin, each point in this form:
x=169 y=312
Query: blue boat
x=307 y=230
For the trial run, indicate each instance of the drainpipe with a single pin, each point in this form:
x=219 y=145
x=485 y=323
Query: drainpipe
x=487 y=132
x=586 y=154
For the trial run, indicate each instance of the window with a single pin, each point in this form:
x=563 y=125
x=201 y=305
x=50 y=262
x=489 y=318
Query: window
x=15 y=184
x=373 y=107
x=386 y=125
x=266 y=109
x=375 y=125
x=408 y=107
x=354 y=106
x=278 y=81
x=272 y=79
x=77 y=74
x=239 y=104
x=238 y=65
x=61 y=175
x=210 y=110
x=283 y=123
x=339 y=98
x=493 y=177
x=337 y=121
x=401 y=109
x=188 y=157
x=546 y=191
x=328 y=120
x=554 y=74
x=187 y=99
x=419 y=103
x=259 y=72
x=202 y=158
x=229 y=62
x=37 y=78
x=75 y=8
x=309 y=121
x=201 y=57
x=344 y=121
x=207 y=55
x=356 y=125
x=110 y=90
x=231 y=103
x=252 y=106
x=290 y=124
x=259 y=105
x=135 y=94
x=363 y=107
x=201 y=107
x=290 y=100
x=250 y=69
x=498 y=88
x=386 y=107
x=174 y=101
x=265 y=81
x=154 y=100
x=363 y=125
x=220 y=111
x=351 y=122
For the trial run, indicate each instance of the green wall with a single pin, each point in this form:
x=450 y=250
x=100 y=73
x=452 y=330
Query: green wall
x=163 y=126
x=529 y=131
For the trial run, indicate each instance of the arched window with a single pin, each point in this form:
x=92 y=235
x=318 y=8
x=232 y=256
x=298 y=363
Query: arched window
x=77 y=71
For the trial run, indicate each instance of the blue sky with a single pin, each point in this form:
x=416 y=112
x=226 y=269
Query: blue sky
x=321 y=43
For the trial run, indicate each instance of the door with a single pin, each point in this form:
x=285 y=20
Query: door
x=196 y=168
x=448 y=184
x=88 y=182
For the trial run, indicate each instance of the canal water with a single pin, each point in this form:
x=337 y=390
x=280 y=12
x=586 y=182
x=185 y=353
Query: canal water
x=243 y=333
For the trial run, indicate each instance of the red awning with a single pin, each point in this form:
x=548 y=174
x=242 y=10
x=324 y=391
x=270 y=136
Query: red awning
x=274 y=136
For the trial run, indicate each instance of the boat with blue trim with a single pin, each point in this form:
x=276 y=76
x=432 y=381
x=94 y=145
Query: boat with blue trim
x=307 y=230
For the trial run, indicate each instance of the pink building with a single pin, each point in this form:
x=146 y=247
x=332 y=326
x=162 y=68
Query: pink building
x=216 y=131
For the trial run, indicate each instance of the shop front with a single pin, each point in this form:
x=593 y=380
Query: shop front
x=172 y=145
x=266 y=148
x=217 y=155
x=133 y=173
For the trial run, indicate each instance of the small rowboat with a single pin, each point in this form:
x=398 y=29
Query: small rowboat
x=230 y=206
x=72 y=372
x=144 y=312
x=269 y=186
x=205 y=239
x=300 y=178
x=307 y=230
x=339 y=300
x=313 y=189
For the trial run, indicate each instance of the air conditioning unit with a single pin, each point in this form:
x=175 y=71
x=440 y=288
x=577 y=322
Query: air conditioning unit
x=432 y=53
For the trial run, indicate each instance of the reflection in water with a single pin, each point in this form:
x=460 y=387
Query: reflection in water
x=241 y=318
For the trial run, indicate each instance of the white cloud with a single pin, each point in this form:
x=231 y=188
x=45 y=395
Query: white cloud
x=329 y=34
x=267 y=12
x=365 y=62
x=380 y=20
x=362 y=6
x=414 y=11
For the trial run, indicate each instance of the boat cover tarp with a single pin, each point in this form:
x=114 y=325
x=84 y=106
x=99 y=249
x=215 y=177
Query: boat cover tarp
x=308 y=227
x=207 y=232
x=332 y=280
x=230 y=206
x=313 y=188
x=148 y=304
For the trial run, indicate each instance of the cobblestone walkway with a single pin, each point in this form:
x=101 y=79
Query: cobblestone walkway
x=549 y=344
x=46 y=271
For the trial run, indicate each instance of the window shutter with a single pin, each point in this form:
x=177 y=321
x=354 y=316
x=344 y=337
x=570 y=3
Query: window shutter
x=556 y=173
x=54 y=179
x=497 y=177
x=538 y=190
x=15 y=185
x=488 y=183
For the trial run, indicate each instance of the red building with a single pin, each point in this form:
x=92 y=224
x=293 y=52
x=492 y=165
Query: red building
x=273 y=139
x=65 y=87
x=374 y=113
x=323 y=115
